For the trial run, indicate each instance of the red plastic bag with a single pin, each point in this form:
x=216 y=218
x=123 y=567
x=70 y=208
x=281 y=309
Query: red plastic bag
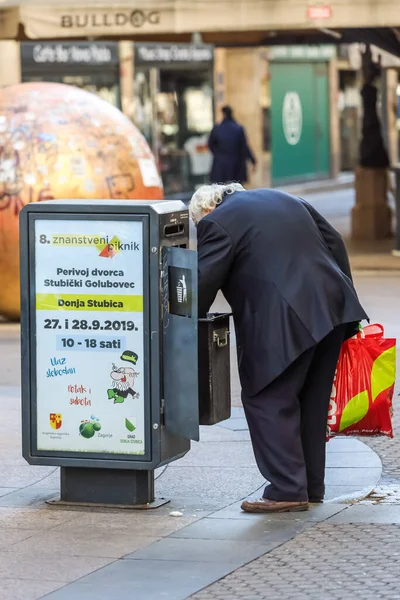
x=362 y=392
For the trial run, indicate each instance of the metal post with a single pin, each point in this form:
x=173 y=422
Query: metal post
x=396 y=169
x=106 y=486
x=155 y=134
x=384 y=108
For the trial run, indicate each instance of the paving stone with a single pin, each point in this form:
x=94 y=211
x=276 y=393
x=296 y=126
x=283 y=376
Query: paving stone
x=30 y=496
x=26 y=589
x=369 y=514
x=362 y=460
x=199 y=550
x=346 y=444
x=220 y=434
x=43 y=518
x=228 y=484
x=21 y=476
x=356 y=477
x=4 y=491
x=9 y=537
x=318 y=512
x=268 y=533
x=70 y=541
x=347 y=493
x=147 y=580
x=347 y=561
x=48 y=568
x=238 y=424
x=230 y=454
x=136 y=523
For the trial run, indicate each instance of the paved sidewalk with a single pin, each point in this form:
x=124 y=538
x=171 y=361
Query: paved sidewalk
x=335 y=560
x=355 y=553
x=44 y=548
x=107 y=554
x=344 y=548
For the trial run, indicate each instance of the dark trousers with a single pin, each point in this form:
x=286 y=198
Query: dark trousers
x=287 y=422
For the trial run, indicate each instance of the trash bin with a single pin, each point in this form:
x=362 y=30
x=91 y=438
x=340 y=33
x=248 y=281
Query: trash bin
x=214 y=369
x=109 y=344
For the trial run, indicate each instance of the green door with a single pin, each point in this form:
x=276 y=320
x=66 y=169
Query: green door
x=299 y=121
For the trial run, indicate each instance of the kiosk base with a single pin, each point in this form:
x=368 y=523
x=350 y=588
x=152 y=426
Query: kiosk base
x=106 y=487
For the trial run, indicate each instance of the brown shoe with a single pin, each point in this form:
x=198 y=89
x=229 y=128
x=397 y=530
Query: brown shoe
x=263 y=505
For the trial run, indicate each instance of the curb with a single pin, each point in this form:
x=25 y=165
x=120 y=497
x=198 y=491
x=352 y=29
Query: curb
x=374 y=262
x=320 y=187
x=343 y=182
x=364 y=492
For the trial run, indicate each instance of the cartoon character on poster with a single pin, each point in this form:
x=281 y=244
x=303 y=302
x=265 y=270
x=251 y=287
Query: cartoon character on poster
x=123 y=379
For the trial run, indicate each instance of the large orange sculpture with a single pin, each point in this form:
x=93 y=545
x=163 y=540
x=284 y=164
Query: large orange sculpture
x=57 y=141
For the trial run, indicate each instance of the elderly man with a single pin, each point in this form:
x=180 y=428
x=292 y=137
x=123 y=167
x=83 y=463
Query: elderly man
x=285 y=272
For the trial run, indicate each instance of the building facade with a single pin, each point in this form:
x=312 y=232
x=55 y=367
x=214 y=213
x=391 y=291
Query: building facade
x=287 y=98
x=174 y=109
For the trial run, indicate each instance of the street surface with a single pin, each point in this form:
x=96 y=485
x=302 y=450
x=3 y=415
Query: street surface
x=347 y=548
x=355 y=553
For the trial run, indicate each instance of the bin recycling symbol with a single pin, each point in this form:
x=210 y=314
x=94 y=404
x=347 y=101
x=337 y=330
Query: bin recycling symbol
x=180 y=291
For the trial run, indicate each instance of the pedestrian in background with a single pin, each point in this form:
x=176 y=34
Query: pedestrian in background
x=228 y=144
x=285 y=272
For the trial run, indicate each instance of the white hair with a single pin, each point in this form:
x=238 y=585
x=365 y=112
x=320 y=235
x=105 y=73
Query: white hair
x=208 y=197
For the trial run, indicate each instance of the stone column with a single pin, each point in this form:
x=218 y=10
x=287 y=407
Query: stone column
x=10 y=63
x=244 y=73
x=334 y=121
x=392 y=81
x=220 y=77
x=126 y=70
x=371 y=215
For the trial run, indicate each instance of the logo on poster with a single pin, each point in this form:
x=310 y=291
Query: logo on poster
x=89 y=427
x=130 y=424
x=107 y=248
x=131 y=438
x=292 y=118
x=55 y=420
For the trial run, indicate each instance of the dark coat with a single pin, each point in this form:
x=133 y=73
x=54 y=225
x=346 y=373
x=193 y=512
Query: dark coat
x=231 y=152
x=284 y=271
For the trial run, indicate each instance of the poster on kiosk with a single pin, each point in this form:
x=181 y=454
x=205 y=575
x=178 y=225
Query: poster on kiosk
x=89 y=295
x=108 y=334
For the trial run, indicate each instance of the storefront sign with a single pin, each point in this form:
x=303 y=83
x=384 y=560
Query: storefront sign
x=308 y=53
x=146 y=54
x=135 y=18
x=319 y=12
x=80 y=53
x=90 y=336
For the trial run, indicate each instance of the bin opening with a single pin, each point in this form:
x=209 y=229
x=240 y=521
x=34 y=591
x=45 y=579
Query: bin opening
x=174 y=229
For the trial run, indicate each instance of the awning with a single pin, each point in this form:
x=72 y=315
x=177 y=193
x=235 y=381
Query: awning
x=220 y=22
